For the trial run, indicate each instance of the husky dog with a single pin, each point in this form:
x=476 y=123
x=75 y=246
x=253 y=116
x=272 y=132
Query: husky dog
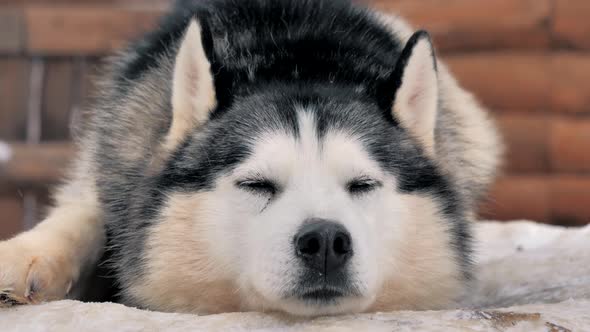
x=309 y=157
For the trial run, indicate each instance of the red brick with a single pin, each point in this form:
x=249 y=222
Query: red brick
x=571 y=77
x=466 y=25
x=571 y=26
x=14 y=80
x=570 y=145
x=527 y=141
x=506 y=81
x=85 y=29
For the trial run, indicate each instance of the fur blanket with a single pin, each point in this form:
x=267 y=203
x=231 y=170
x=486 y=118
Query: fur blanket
x=531 y=278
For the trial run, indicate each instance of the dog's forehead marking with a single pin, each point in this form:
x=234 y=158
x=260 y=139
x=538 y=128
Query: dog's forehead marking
x=336 y=153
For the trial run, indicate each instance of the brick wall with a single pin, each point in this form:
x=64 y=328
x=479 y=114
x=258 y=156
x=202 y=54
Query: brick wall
x=527 y=60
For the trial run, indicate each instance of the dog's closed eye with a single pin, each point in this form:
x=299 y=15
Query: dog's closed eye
x=259 y=186
x=362 y=185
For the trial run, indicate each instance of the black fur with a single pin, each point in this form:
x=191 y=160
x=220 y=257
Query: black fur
x=258 y=42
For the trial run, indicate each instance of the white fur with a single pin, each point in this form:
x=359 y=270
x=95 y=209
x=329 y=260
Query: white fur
x=253 y=243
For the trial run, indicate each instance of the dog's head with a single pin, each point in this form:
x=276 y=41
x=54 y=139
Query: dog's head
x=304 y=199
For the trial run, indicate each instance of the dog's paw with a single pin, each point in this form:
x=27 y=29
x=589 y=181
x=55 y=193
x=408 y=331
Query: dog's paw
x=29 y=274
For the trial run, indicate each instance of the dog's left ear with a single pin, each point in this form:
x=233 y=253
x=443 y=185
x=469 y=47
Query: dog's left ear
x=193 y=89
x=415 y=86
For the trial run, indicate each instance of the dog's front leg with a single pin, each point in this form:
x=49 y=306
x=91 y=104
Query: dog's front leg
x=43 y=263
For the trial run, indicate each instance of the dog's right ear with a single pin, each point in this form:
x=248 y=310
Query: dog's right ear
x=411 y=94
x=193 y=89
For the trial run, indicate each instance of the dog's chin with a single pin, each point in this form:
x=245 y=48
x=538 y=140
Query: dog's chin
x=322 y=303
x=311 y=298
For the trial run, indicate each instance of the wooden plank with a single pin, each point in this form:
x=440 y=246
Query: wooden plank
x=12 y=216
x=571 y=26
x=90 y=73
x=527 y=142
x=556 y=199
x=571 y=77
x=14 y=81
x=34 y=165
x=467 y=25
x=526 y=81
x=12 y=35
x=570 y=145
x=570 y=197
x=519 y=197
x=57 y=99
x=457 y=25
x=88 y=2
x=79 y=30
x=506 y=81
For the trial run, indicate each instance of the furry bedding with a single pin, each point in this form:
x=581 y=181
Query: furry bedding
x=531 y=278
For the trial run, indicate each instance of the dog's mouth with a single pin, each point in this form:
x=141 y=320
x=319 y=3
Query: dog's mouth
x=322 y=295
x=325 y=289
x=324 y=299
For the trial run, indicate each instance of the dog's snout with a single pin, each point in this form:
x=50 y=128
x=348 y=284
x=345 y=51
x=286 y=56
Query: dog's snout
x=323 y=245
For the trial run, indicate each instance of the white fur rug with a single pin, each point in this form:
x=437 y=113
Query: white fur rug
x=531 y=278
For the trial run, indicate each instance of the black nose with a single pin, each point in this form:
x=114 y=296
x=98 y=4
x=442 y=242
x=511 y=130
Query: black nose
x=323 y=245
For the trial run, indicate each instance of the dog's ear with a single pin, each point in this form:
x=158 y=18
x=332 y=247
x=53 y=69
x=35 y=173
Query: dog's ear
x=193 y=89
x=415 y=85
